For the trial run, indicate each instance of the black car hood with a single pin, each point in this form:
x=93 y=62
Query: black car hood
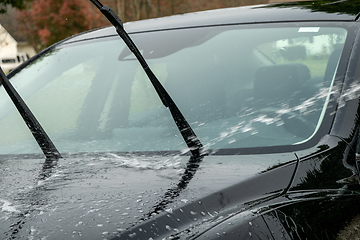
x=131 y=196
x=97 y=197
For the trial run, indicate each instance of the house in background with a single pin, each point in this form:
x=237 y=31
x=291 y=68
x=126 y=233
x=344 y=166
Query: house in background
x=8 y=45
x=12 y=52
x=9 y=31
x=24 y=47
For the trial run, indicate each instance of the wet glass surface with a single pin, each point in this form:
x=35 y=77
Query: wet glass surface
x=93 y=96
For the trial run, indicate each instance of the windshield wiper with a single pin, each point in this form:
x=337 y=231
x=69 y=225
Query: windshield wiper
x=192 y=141
x=33 y=124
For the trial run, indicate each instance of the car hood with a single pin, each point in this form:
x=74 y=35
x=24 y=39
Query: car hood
x=102 y=196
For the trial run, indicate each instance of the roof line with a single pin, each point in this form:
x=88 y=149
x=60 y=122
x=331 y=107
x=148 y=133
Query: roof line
x=2 y=28
x=233 y=24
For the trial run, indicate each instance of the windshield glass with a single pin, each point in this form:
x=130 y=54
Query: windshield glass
x=237 y=87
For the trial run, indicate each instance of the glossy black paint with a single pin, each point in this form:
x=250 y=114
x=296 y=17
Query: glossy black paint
x=349 y=7
x=308 y=194
x=317 y=205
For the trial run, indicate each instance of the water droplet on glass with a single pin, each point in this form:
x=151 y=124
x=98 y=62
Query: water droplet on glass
x=132 y=235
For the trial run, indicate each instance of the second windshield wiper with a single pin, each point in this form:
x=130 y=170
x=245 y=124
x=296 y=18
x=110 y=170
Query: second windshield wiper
x=192 y=141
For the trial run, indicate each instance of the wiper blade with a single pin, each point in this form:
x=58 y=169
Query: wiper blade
x=191 y=140
x=33 y=124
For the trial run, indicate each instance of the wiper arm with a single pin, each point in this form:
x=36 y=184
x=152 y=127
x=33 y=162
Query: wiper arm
x=33 y=124
x=192 y=141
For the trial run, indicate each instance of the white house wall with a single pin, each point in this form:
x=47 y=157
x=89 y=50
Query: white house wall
x=8 y=45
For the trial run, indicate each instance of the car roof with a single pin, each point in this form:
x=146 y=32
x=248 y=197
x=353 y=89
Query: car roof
x=343 y=10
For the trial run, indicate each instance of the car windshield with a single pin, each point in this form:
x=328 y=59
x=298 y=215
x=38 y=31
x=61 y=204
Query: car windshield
x=237 y=86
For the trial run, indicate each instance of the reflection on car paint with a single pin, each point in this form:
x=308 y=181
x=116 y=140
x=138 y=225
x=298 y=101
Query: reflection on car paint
x=127 y=175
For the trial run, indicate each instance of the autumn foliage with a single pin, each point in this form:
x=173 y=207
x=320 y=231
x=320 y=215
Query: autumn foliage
x=45 y=22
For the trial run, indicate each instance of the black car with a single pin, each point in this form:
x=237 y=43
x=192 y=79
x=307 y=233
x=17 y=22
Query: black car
x=239 y=123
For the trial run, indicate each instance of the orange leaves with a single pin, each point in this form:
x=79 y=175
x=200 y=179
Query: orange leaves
x=46 y=22
x=44 y=35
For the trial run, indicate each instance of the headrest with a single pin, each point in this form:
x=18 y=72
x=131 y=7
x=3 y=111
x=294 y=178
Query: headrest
x=279 y=81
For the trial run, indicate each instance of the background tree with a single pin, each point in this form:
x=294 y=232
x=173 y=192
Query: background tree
x=130 y=10
x=19 y=4
x=46 y=22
